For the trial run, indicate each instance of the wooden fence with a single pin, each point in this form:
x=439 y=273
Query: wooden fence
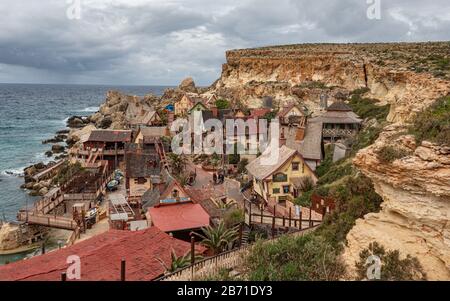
x=227 y=260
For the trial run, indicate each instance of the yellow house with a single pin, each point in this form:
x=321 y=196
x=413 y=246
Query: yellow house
x=281 y=181
x=183 y=106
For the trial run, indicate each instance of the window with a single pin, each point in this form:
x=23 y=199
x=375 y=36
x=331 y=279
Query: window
x=175 y=193
x=279 y=177
x=295 y=166
x=140 y=181
x=286 y=189
x=276 y=190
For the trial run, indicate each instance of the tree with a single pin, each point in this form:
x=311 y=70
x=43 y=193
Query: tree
x=177 y=162
x=392 y=267
x=222 y=104
x=178 y=262
x=241 y=165
x=217 y=239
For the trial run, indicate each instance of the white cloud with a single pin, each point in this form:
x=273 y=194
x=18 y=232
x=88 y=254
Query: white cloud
x=161 y=42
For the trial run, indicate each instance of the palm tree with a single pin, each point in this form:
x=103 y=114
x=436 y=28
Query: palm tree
x=177 y=162
x=178 y=262
x=217 y=239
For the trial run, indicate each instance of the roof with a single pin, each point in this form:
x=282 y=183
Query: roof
x=154 y=131
x=258 y=113
x=142 y=165
x=287 y=109
x=180 y=216
x=101 y=257
x=338 y=117
x=110 y=136
x=339 y=106
x=311 y=145
x=260 y=169
x=145 y=118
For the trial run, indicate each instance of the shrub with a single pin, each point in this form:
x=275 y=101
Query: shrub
x=222 y=104
x=307 y=257
x=233 y=217
x=367 y=108
x=433 y=124
x=390 y=153
x=241 y=165
x=305 y=199
x=336 y=172
x=392 y=267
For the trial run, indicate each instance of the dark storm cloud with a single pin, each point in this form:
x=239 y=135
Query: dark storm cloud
x=151 y=42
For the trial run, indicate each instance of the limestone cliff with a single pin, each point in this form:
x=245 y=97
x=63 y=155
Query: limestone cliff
x=415 y=215
x=304 y=72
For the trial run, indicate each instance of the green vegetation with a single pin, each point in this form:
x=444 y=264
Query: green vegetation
x=178 y=262
x=389 y=153
x=241 y=165
x=313 y=85
x=233 y=217
x=366 y=107
x=177 y=163
x=308 y=257
x=218 y=239
x=433 y=124
x=392 y=267
x=222 y=104
x=366 y=137
x=66 y=172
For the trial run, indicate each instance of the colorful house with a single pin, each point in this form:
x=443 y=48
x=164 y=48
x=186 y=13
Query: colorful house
x=278 y=179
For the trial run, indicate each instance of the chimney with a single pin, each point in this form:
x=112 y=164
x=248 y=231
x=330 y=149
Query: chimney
x=282 y=138
x=215 y=111
x=300 y=134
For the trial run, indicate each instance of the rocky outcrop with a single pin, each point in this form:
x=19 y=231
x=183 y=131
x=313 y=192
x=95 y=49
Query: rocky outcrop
x=415 y=215
x=286 y=73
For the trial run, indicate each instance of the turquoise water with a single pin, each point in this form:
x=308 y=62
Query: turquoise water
x=32 y=113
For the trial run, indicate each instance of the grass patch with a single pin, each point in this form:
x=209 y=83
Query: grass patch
x=366 y=108
x=389 y=153
x=433 y=124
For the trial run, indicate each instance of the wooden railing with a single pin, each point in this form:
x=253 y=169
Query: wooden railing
x=227 y=260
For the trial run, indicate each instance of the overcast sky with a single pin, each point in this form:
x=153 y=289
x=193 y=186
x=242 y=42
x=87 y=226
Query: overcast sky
x=150 y=42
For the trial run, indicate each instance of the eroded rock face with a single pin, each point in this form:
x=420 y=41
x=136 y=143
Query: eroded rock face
x=415 y=211
x=284 y=73
x=8 y=237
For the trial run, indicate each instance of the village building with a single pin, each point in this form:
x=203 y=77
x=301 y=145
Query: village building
x=292 y=115
x=179 y=218
x=101 y=256
x=279 y=183
x=146 y=119
x=106 y=145
x=339 y=122
x=142 y=173
x=150 y=133
x=187 y=102
x=307 y=140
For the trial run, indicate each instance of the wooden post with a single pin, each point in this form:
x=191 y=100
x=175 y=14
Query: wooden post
x=324 y=212
x=63 y=276
x=43 y=248
x=284 y=221
x=250 y=214
x=122 y=269
x=241 y=226
x=192 y=249
x=290 y=216
x=310 y=216
x=274 y=210
x=273 y=226
x=301 y=220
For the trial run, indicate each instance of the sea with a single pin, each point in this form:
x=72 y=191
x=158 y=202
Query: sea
x=31 y=113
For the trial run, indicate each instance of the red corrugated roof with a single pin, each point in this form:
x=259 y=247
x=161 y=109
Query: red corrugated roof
x=259 y=112
x=178 y=217
x=101 y=257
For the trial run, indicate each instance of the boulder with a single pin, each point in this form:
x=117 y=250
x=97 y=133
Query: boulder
x=43 y=191
x=49 y=153
x=56 y=149
x=104 y=123
x=188 y=85
x=75 y=122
